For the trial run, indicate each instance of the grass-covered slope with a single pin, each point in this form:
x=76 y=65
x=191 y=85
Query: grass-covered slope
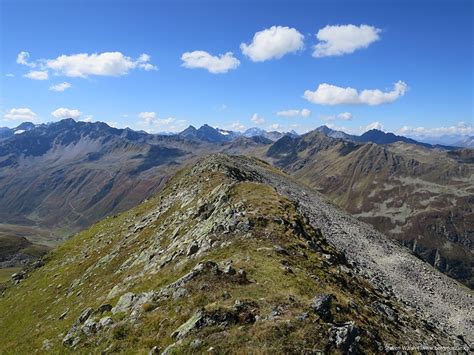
x=217 y=262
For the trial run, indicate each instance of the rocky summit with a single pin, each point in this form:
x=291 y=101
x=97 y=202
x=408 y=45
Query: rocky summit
x=232 y=256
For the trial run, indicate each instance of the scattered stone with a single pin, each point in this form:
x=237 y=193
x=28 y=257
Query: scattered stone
x=89 y=327
x=280 y=250
x=196 y=343
x=193 y=249
x=85 y=315
x=105 y=322
x=229 y=270
x=345 y=337
x=194 y=322
x=47 y=345
x=242 y=276
x=18 y=276
x=104 y=308
x=322 y=306
x=180 y=292
x=154 y=350
x=64 y=314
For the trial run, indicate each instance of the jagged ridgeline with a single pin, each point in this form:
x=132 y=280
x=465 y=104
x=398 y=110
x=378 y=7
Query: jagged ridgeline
x=219 y=261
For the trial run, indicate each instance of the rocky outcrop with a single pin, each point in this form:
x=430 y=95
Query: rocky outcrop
x=233 y=255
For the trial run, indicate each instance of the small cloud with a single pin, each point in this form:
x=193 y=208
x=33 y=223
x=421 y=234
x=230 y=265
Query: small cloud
x=150 y=122
x=374 y=125
x=60 y=87
x=66 y=113
x=37 y=75
x=257 y=119
x=83 y=65
x=213 y=64
x=273 y=43
x=327 y=94
x=295 y=113
x=22 y=58
x=9 y=75
x=148 y=118
x=87 y=118
x=237 y=126
x=461 y=128
x=113 y=124
x=275 y=127
x=345 y=116
x=344 y=39
x=20 y=114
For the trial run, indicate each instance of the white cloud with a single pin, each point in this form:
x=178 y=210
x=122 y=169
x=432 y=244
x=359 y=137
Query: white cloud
x=66 y=113
x=148 y=118
x=87 y=118
x=273 y=43
x=22 y=59
x=258 y=120
x=275 y=127
x=9 y=75
x=237 y=126
x=294 y=113
x=461 y=128
x=113 y=124
x=60 y=87
x=150 y=122
x=345 y=116
x=213 y=64
x=327 y=94
x=374 y=125
x=83 y=65
x=37 y=75
x=20 y=114
x=344 y=39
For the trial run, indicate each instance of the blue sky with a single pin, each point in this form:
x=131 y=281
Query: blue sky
x=425 y=45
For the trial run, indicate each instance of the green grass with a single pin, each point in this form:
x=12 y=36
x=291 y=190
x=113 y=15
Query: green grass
x=30 y=311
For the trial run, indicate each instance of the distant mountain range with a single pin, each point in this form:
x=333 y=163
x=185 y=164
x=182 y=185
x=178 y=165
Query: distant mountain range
x=61 y=177
x=217 y=135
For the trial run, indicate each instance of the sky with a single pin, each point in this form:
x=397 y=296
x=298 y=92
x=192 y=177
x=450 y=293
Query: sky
x=401 y=66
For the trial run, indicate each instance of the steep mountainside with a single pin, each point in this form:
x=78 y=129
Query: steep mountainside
x=422 y=197
x=232 y=257
x=58 y=178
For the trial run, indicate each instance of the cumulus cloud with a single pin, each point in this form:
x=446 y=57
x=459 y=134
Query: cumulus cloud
x=20 y=114
x=273 y=43
x=147 y=117
x=60 y=87
x=275 y=127
x=374 y=125
x=10 y=75
x=345 y=116
x=83 y=65
x=295 y=113
x=327 y=94
x=152 y=123
x=104 y=64
x=258 y=120
x=22 y=58
x=63 y=112
x=344 y=39
x=37 y=75
x=237 y=126
x=213 y=64
x=461 y=128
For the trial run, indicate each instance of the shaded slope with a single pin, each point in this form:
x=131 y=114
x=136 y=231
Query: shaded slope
x=84 y=170
x=422 y=197
x=218 y=260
